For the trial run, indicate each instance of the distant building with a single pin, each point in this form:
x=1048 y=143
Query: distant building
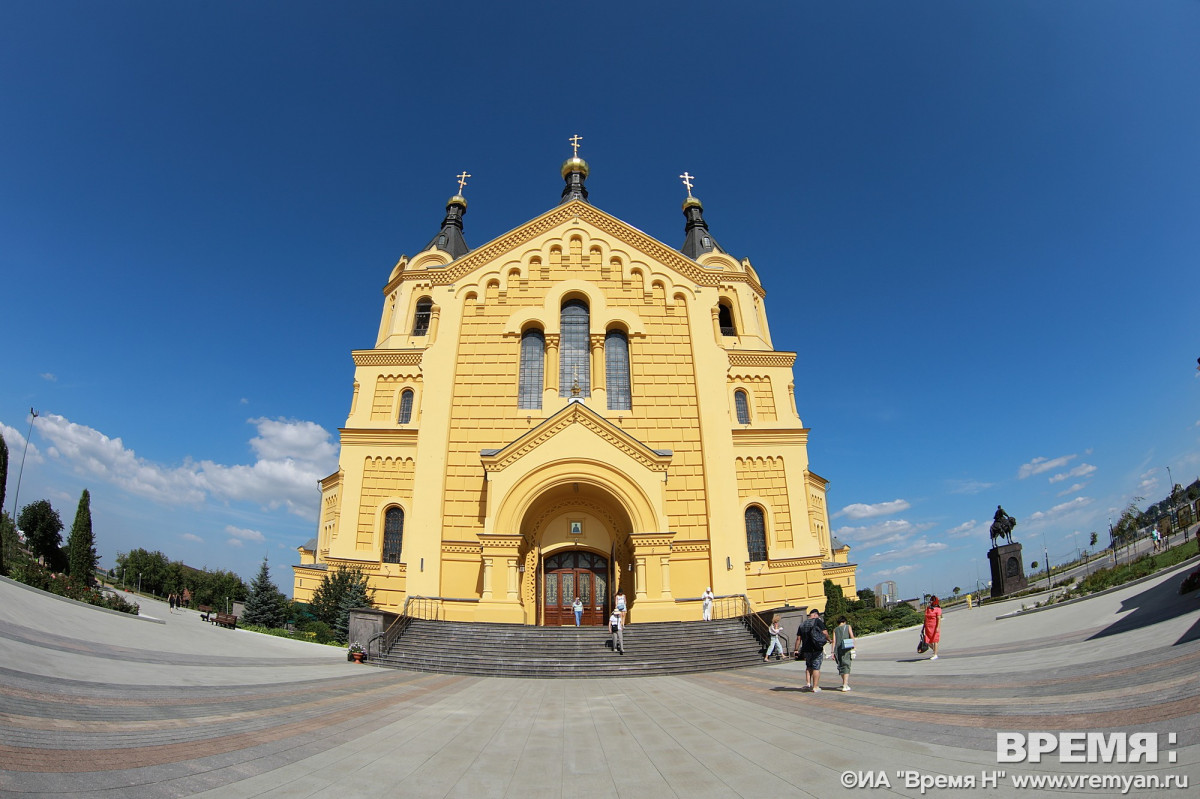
x=886 y=594
x=575 y=408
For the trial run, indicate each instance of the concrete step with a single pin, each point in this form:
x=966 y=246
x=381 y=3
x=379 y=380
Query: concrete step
x=513 y=650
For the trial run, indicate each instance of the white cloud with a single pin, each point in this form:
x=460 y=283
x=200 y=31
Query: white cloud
x=897 y=570
x=893 y=531
x=192 y=537
x=292 y=456
x=965 y=529
x=1073 y=489
x=922 y=546
x=16 y=448
x=1060 y=510
x=968 y=486
x=233 y=542
x=49 y=377
x=1082 y=470
x=244 y=534
x=1039 y=465
x=861 y=511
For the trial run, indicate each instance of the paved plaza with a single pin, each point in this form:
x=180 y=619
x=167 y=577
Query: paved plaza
x=99 y=704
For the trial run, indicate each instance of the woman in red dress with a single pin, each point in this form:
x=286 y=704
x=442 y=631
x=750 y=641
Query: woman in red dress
x=933 y=625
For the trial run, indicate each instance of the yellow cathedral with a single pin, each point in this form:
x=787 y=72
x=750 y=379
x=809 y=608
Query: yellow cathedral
x=575 y=409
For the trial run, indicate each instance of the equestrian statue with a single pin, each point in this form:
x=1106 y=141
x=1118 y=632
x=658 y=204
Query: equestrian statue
x=1002 y=526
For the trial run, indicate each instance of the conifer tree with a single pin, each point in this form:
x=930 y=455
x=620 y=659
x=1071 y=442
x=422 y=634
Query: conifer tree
x=81 y=544
x=357 y=595
x=265 y=605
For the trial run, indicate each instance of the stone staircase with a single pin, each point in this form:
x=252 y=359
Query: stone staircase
x=515 y=650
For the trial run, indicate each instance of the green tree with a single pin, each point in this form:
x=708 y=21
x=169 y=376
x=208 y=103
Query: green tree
x=358 y=595
x=327 y=597
x=957 y=590
x=1092 y=540
x=81 y=544
x=43 y=533
x=150 y=567
x=266 y=605
x=835 y=601
x=3 y=517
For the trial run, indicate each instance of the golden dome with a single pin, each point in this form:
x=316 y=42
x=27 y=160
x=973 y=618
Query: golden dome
x=575 y=164
x=692 y=202
x=457 y=199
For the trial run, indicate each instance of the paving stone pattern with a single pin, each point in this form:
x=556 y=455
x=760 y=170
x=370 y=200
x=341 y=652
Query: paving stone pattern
x=95 y=704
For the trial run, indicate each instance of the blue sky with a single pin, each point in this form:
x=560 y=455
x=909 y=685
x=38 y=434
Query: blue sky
x=978 y=223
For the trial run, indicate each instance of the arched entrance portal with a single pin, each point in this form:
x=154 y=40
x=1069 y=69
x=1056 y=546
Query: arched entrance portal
x=576 y=541
x=575 y=573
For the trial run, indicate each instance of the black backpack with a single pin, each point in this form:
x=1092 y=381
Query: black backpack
x=812 y=636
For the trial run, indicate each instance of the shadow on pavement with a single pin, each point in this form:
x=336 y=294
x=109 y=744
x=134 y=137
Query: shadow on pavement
x=1160 y=603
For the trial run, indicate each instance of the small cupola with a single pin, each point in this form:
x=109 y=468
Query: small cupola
x=574 y=172
x=697 y=240
x=450 y=237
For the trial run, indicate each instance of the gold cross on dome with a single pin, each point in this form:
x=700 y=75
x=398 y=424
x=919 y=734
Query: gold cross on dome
x=575 y=144
x=462 y=180
x=687 y=181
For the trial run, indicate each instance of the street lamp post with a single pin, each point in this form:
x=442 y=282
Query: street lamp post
x=20 y=473
x=139 y=583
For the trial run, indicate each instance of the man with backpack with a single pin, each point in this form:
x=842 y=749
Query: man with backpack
x=810 y=642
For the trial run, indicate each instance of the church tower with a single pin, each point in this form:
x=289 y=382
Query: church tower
x=575 y=409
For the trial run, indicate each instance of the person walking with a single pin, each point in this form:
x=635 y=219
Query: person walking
x=810 y=642
x=933 y=625
x=709 y=596
x=621 y=605
x=577 y=606
x=776 y=641
x=616 y=625
x=843 y=649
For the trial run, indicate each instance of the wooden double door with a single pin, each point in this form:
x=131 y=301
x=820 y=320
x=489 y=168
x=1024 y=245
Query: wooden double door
x=571 y=574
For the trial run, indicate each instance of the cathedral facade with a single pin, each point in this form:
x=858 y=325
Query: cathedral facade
x=575 y=409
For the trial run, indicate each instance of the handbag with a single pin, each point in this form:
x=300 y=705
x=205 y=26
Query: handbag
x=922 y=647
x=847 y=642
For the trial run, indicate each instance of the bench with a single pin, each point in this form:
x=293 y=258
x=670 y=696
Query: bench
x=205 y=612
x=226 y=620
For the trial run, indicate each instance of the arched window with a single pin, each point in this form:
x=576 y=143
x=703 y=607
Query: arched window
x=421 y=320
x=725 y=319
x=530 y=369
x=741 y=404
x=574 y=361
x=406 y=403
x=616 y=371
x=756 y=533
x=393 y=534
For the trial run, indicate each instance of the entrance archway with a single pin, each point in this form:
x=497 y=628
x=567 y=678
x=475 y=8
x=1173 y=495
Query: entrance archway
x=575 y=573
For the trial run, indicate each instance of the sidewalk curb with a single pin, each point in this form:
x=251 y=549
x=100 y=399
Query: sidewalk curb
x=139 y=617
x=1160 y=573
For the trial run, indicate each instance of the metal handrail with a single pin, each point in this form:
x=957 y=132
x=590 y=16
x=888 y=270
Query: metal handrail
x=738 y=606
x=430 y=607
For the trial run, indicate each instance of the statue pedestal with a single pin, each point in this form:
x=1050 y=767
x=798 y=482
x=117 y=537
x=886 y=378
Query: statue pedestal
x=1008 y=570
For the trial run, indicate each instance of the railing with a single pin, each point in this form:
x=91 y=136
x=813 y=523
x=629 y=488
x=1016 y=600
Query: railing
x=427 y=608
x=738 y=606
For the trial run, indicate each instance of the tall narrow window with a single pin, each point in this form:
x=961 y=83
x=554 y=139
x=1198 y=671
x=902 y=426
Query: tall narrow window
x=742 y=405
x=756 y=533
x=421 y=320
x=406 y=403
x=616 y=371
x=725 y=319
x=574 y=361
x=393 y=534
x=531 y=368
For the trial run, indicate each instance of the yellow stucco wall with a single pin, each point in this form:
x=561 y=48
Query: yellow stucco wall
x=488 y=490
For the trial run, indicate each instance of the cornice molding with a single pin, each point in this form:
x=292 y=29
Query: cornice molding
x=774 y=437
x=380 y=436
x=387 y=357
x=584 y=212
x=364 y=565
x=761 y=358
